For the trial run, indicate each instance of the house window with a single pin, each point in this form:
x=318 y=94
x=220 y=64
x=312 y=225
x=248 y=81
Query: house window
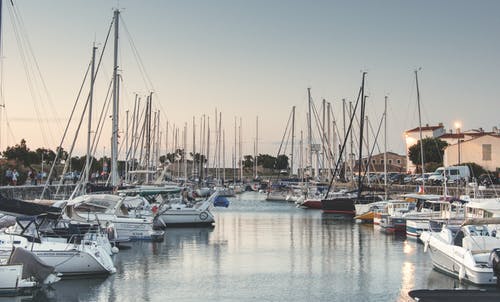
x=365 y=161
x=399 y=161
x=390 y=161
x=382 y=161
x=486 y=151
x=374 y=161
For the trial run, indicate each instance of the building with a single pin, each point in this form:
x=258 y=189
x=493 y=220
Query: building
x=395 y=163
x=480 y=148
x=412 y=136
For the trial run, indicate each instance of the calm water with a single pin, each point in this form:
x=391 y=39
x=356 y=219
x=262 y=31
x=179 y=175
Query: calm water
x=263 y=251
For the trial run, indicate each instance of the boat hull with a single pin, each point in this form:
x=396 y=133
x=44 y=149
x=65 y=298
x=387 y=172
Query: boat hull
x=339 y=206
x=67 y=258
x=187 y=218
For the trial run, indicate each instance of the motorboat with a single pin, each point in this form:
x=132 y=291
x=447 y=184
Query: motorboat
x=433 y=208
x=73 y=256
x=110 y=210
x=468 y=252
x=24 y=271
x=179 y=212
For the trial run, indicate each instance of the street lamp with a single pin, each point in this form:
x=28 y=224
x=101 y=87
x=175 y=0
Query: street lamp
x=457 y=127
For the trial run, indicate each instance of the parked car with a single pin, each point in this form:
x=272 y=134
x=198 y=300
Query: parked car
x=488 y=179
x=453 y=174
x=71 y=176
x=423 y=179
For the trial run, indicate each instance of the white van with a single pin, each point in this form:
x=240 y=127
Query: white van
x=453 y=174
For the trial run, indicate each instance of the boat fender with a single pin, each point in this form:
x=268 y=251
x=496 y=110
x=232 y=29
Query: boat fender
x=494 y=261
x=426 y=246
x=461 y=273
x=203 y=215
x=115 y=250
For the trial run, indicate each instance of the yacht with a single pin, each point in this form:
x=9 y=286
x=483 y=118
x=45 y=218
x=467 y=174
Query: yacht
x=110 y=210
x=73 y=256
x=468 y=252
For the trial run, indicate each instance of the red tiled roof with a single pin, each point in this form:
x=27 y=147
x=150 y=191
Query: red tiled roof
x=425 y=128
x=452 y=135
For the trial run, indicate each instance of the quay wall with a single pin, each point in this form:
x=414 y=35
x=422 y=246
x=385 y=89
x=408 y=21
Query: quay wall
x=30 y=192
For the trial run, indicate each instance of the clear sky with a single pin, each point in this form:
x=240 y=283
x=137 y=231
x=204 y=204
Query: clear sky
x=249 y=58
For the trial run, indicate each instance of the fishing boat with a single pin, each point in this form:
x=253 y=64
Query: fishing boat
x=468 y=252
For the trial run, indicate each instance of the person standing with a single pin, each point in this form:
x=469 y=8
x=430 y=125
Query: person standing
x=8 y=177
x=15 y=175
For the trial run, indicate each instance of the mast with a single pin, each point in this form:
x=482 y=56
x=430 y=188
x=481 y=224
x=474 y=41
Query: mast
x=194 y=148
x=420 y=132
x=309 y=130
x=256 y=146
x=293 y=140
x=114 y=138
x=323 y=137
x=89 y=133
x=385 y=147
x=331 y=151
x=241 y=152
x=361 y=126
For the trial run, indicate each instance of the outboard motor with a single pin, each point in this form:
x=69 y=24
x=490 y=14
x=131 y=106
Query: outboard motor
x=495 y=263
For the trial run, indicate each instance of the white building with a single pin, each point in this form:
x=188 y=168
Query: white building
x=480 y=148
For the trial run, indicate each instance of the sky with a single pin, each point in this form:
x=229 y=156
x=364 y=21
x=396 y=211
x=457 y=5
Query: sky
x=251 y=58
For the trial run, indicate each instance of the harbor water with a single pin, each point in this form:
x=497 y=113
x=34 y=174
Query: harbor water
x=262 y=251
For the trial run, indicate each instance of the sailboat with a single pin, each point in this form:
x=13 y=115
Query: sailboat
x=345 y=204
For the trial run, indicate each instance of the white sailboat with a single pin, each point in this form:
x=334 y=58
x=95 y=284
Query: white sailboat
x=68 y=257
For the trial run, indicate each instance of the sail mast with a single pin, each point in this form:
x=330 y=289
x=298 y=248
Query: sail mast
x=420 y=133
x=114 y=138
x=293 y=140
x=309 y=131
x=89 y=133
x=385 y=147
x=361 y=125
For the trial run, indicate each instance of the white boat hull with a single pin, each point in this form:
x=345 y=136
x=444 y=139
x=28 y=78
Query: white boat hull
x=183 y=217
x=11 y=282
x=67 y=259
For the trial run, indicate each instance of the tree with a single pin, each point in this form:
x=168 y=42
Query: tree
x=433 y=151
x=475 y=169
x=47 y=155
x=266 y=161
x=21 y=152
x=282 y=162
x=247 y=161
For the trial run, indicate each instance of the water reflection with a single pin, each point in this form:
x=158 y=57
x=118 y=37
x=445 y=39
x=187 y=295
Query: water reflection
x=264 y=251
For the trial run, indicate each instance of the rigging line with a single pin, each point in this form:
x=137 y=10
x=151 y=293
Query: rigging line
x=35 y=61
x=374 y=136
x=101 y=122
x=368 y=163
x=59 y=148
x=22 y=54
x=319 y=125
x=282 y=139
x=138 y=58
x=344 y=144
x=70 y=153
x=95 y=141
